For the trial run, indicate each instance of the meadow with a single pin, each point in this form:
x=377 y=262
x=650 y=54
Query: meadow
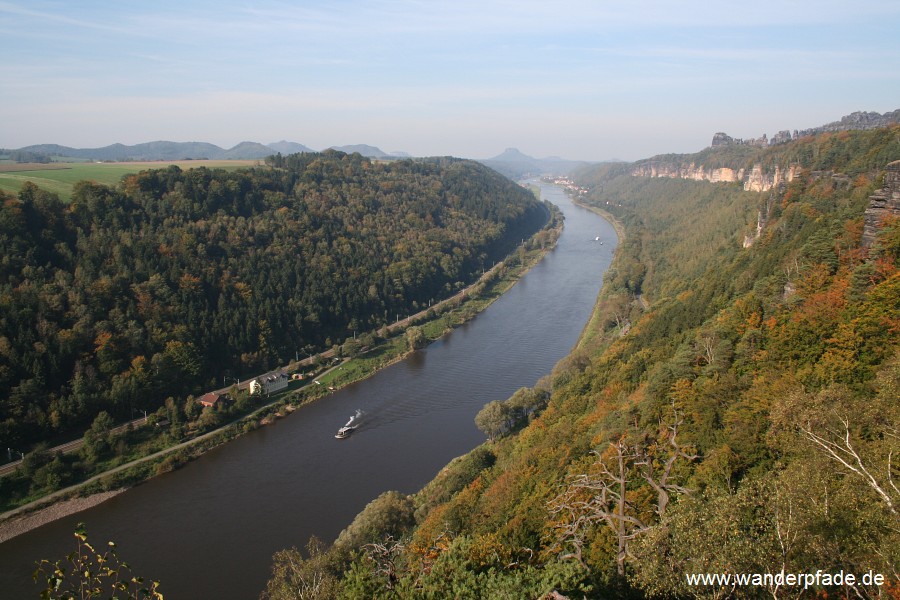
x=60 y=178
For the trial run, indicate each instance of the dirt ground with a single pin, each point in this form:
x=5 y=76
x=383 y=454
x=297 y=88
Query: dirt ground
x=19 y=525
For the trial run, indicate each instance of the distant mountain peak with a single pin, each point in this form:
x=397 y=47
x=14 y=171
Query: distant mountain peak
x=515 y=164
x=511 y=154
x=363 y=149
x=286 y=147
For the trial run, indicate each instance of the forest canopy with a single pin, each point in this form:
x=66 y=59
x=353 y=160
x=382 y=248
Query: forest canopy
x=175 y=279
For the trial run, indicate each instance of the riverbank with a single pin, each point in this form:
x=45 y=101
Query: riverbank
x=608 y=216
x=590 y=331
x=14 y=526
x=436 y=322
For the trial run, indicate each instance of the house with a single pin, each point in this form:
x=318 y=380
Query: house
x=209 y=399
x=269 y=383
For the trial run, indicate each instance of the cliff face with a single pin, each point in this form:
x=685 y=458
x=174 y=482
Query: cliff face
x=656 y=168
x=756 y=180
x=883 y=203
x=760 y=181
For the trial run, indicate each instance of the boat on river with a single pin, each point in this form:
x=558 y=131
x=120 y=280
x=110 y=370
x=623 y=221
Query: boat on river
x=344 y=432
x=350 y=427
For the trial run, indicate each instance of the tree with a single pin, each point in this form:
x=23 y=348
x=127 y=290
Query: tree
x=860 y=437
x=89 y=573
x=97 y=438
x=526 y=402
x=601 y=495
x=717 y=532
x=493 y=419
x=390 y=514
x=415 y=338
x=350 y=348
x=192 y=408
x=385 y=557
x=298 y=578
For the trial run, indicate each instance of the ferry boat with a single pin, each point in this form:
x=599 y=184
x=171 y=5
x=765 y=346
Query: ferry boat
x=350 y=427
x=344 y=432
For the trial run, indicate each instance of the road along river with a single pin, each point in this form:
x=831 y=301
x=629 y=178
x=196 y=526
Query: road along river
x=209 y=529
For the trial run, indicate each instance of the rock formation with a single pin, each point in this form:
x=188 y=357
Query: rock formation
x=673 y=170
x=721 y=139
x=883 y=203
x=761 y=181
x=853 y=121
x=756 y=180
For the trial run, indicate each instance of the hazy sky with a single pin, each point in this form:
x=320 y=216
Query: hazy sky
x=589 y=79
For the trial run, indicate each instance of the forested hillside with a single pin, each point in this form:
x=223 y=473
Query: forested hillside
x=734 y=410
x=174 y=279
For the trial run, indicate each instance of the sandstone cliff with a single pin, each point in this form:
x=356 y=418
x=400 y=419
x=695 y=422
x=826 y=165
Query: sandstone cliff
x=762 y=181
x=656 y=168
x=754 y=180
x=883 y=203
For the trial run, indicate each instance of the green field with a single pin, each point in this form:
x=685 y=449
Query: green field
x=60 y=179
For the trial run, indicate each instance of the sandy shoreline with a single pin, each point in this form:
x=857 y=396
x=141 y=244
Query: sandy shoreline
x=14 y=526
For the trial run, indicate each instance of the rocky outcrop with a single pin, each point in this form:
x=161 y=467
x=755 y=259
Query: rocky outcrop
x=656 y=168
x=721 y=139
x=857 y=120
x=782 y=137
x=883 y=203
x=749 y=240
x=756 y=180
x=763 y=181
x=853 y=121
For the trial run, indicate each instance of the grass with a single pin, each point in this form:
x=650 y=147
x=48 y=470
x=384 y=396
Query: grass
x=61 y=179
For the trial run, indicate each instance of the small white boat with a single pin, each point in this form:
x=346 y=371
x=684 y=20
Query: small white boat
x=344 y=432
x=597 y=239
x=350 y=427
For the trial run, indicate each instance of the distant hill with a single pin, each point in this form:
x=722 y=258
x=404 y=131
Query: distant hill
x=286 y=147
x=246 y=151
x=516 y=165
x=163 y=150
x=160 y=150
x=363 y=149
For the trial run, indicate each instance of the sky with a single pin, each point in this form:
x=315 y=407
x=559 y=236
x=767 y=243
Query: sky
x=580 y=79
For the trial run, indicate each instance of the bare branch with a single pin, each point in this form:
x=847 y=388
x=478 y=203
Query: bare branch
x=384 y=555
x=599 y=496
x=844 y=453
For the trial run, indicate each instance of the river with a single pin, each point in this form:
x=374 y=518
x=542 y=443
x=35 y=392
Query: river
x=209 y=529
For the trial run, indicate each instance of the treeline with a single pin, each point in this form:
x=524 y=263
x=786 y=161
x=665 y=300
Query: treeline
x=736 y=412
x=25 y=156
x=176 y=281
